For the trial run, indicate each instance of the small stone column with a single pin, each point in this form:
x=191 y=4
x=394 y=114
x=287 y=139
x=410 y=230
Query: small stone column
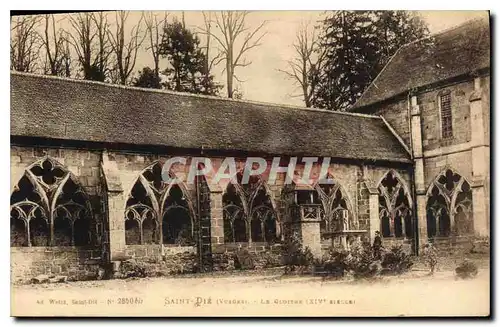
x=374 y=212
x=307 y=225
x=480 y=161
x=116 y=205
x=216 y=221
x=419 y=174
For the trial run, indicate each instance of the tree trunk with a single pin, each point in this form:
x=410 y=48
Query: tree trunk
x=229 y=69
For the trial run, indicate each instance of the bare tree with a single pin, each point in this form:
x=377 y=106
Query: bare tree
x=233 y=42
x=303 y=68
x=125 y=51
x=25 y=43
x=154 y=29
x=54 y=43
x=91 y=43
x=103 y=45
x=67 y=63
x=209 y=62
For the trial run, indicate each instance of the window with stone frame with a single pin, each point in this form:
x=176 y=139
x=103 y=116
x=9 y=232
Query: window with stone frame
x=446 y=115
x=49 y=208
x=235 y=222
x=157 y=212
x=395 y=210
x=248 y=212
x=336 y=214
x=449 y=206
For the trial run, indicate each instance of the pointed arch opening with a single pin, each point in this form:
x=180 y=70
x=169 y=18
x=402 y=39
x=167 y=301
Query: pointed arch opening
x=177 y=222
x=235 y=222
x=449 y=206
x=395 y=207
x=50 y=208
x=336 y=209
x=157 y=212
x=249 y=212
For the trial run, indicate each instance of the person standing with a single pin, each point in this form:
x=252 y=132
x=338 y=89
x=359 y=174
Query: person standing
x=377 y=246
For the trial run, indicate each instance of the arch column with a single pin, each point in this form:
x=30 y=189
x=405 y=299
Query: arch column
x=375 y=223
x=115 y=204
x=480 y=161
x=419 y=175
x=216 y=236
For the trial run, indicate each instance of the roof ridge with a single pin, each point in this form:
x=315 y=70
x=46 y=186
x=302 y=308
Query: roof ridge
x=376 y=77
x=446 y=30
x=163 y=91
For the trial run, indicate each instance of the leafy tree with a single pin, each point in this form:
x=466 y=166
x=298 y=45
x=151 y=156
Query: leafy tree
x=187 y=61
x=357 y=45
x=147 y=78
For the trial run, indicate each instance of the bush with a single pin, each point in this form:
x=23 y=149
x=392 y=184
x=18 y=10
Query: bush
x=271 y=260
x=466 y=270
x=397 y=261
x=361 y=262
x=294 y=255
x=336 y=264
x=132 y=268
x=243 y=260
x=429 y=255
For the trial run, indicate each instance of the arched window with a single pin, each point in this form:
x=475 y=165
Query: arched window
x=177 y=224
x=150 y=199
x=235 y=222
x=49 y=208
x=336 y=215
x=449 y=206
x=140 y=209
x=395 y=210
x=262 y=216
x=249 y=214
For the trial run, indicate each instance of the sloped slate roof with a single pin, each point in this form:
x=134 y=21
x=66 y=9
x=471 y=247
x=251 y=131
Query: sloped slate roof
x=59 y=108
x=452 y=53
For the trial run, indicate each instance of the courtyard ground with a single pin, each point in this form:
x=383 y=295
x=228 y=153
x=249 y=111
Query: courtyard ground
x=263 y=294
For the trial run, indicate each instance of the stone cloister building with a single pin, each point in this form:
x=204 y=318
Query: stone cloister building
x=87 y=161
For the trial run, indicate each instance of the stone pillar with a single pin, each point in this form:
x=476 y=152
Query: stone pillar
x=116 y=205
x=216 y=221
x=308 y=228
x=480 y=161
x=374 y=213
x=419 y=174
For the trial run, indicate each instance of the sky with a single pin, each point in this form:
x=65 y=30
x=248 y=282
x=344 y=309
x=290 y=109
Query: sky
x=262 y=80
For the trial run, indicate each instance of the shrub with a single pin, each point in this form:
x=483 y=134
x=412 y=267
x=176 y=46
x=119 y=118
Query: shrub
x=362 y=263
x=397 y=261
x=336 y=263
x=243 y=260
x=132 y=268
x=271 y=260
x=223 y=261
x=466 y=270
x=294 y=255
x=429 y=255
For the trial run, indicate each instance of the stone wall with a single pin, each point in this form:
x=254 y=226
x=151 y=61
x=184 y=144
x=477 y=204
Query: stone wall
x=466 y=152
x=74 y=262
x=108 y=177
x=431 y=121
x=262 y=255
x=396 y=114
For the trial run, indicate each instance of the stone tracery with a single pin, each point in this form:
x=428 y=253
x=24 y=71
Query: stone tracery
x=49 y=208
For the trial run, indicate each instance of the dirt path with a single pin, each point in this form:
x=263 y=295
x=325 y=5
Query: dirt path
x=414 y=294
